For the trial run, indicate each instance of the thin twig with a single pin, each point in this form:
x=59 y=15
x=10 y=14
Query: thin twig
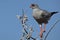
x=27 y=33
x=23 y=20
x=25 y=30
x=33 y=38
x=51 y=29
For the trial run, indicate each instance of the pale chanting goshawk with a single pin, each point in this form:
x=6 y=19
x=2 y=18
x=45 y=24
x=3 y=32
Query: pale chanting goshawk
x=41 y=16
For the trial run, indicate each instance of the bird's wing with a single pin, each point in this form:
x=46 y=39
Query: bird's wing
x=46 y=14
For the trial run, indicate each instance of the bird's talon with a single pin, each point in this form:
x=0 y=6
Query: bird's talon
x=43 y=30
x=41 y=34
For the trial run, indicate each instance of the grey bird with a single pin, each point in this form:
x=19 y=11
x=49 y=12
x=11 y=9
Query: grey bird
x=41 y=16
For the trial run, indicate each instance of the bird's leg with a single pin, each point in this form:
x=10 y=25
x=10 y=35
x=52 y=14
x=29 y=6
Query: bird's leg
x=44 y=27
x=40 y=27
x=41 y=32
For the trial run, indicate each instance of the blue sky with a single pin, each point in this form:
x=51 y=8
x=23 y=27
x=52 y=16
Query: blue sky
x=10 y=26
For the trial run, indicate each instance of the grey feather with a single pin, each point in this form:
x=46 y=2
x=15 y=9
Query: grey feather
x=41 y=16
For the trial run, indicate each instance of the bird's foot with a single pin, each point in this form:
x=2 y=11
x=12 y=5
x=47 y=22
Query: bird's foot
x=43 y=30
x=41 y=34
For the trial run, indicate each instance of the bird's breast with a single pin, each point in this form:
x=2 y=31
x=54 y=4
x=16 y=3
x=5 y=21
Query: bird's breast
x=37 y=14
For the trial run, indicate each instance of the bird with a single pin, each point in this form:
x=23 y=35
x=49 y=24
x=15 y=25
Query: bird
x=41 y=16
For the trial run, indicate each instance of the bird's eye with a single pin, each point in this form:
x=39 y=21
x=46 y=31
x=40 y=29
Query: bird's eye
x=33 y=5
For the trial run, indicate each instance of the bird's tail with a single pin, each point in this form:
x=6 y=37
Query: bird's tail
x=52 y=13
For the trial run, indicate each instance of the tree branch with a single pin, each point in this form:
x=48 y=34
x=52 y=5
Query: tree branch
x=51 y=29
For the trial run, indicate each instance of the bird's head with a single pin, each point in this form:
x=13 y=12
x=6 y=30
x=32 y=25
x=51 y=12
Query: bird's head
x=33 y=6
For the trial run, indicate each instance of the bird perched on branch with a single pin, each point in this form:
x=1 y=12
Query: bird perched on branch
x=41 y=16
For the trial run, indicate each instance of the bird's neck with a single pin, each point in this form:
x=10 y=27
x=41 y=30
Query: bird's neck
x=36 y=9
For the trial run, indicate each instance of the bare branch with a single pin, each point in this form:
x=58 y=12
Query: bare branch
x=51 y=29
